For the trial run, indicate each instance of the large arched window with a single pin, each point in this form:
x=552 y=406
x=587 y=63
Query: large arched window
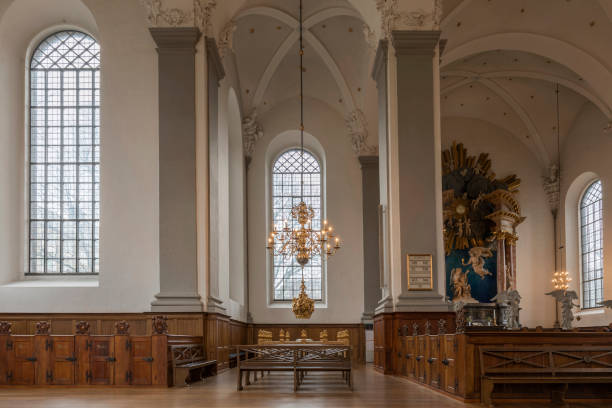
x=591 y=236
x=286 y=189
x=65 y=155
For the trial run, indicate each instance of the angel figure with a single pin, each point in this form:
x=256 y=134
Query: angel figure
x=462 y=289
x=477 y=255
x=566 y=299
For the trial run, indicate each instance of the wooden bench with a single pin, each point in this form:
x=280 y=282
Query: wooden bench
x=543 y=365
x=189 y=363
x=296 y=358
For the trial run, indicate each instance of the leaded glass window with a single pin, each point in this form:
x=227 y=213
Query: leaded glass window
x=286 y=193
x=591 y=233
x=65 y=155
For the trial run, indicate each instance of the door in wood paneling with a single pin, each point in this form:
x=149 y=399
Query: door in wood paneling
x=449 y=377
x=421 y=358
x=6 y=348
x=24 y=360
x=433 y=361
x=123 y=356
x=101 y=360
x=82 y=345
x=62 y=359
x=142 y=360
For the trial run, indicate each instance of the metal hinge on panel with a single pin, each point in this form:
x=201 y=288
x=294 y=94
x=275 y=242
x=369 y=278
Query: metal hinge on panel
x=128 y=376
x=49 y=376
x=456 y=384
x=48 y=344
x=32 y=359
x=88 y=344
x=111 y=359
x=128 y=345
x=88 y=376
x=9 y=376
x=455 y=344
x=9 y=345
x=148 y=359
x=71 y=359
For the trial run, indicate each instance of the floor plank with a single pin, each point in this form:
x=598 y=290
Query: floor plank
x=320 y=390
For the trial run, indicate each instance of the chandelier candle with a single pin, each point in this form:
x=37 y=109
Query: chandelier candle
x=297 y=238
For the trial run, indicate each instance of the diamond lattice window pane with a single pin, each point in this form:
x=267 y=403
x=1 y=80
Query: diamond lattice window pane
x=591 y=227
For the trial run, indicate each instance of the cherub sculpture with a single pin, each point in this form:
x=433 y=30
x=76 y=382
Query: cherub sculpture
x=477 y=255
x=566 y=299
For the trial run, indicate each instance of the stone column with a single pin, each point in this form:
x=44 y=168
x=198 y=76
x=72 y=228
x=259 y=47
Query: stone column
x=215 y=74
x=415 y=163
x=371 y=273
x=380 y=75
x=177 y=171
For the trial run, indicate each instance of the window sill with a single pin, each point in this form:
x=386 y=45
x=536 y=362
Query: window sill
x=55 y=282
x=588 y=312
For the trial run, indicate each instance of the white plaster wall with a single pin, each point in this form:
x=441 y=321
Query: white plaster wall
x=344 y=211
x=585 y=155
x=535 y=247
x=129 y=267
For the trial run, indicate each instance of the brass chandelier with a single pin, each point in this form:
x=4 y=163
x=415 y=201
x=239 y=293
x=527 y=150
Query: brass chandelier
x=297 y=238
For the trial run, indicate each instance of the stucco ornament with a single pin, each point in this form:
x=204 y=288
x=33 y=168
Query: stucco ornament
x=226 y=38
x=251 y=132
x=608 y=128
x=196 y=12
x=551 y=187
x=370 y=37
x=358 y=132
x=392 y=18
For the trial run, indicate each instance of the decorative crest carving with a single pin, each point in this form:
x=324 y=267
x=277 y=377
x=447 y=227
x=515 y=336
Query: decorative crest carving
x=441 y=326
x=415 y=329
x=43 y=328
x=225 y=42
x=460 y=317
x=122 y=327
x=370 y=37
x=200 y=15
x=160 y=325
x=82 y=327
x=551 y=187
x=5 y=327
x=358 y=132
x=251 y=132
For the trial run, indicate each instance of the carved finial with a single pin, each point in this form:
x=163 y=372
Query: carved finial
x=226 y=38
x=251 y=132
x=441 y=326
x=358 y=132
x=427 y=327
x=82 y=327
x=160 y=325
x=415 y=329
x=43 y=328
x=122 y=327
x=460 y=317
x=5 y=327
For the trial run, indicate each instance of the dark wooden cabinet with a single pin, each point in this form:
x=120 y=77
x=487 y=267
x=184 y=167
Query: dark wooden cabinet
x=21 y=361
x=61 y=359
x=448 y=363
x=99 y=358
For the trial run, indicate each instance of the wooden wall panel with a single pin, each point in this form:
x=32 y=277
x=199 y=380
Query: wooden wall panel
x=356 y=334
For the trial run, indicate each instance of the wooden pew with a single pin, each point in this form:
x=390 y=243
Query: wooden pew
x=189 y=362
x=543 y=365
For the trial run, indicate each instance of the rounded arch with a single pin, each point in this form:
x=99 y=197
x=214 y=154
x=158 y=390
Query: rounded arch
x=573 y=196
x=582 y=63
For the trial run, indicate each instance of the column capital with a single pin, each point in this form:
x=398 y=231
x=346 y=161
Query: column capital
x=368 y=161
x=175 y=38
x=415 y=42
x=380 y=60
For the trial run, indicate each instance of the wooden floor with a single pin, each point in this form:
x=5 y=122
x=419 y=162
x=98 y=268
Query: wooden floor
x=319 y=390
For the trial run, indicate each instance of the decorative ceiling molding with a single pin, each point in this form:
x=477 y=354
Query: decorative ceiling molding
x=252 y=131
x=470 y=77
x=370 y=37
x=198 y=14
x=358 y=132
x=582 y=63
x=283 y=49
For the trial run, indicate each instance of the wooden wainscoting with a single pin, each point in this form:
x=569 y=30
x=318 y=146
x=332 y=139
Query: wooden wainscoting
x=313 y=331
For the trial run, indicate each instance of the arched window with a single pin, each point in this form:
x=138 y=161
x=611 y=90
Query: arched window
x=591 y=234
x=65 y=155
x=286 y=188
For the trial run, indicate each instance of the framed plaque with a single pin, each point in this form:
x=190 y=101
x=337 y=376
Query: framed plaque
x=418 y=268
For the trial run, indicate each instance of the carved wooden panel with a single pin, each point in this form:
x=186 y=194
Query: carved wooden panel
x=62 y=360
x=421 y=352
x=101 y=360
x=449 y=373
x=433 y=361
x=122 y=360
x=23 y=365
x=6 y=347
x=141 y=360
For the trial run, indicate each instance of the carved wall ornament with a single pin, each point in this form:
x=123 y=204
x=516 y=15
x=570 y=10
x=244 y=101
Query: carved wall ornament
x=251 y=132
x=5 y=327
x=508 y=304
x=43 y=328
x=394 y=19
x=358 y=132
x=122 y=327
x=199 y=15
x=82 y=327
x=460 y=317
x=441 y=326
x=159 y=325
x=427 y=327
x=370 y=37
x=225 y=42
x=415 y=329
